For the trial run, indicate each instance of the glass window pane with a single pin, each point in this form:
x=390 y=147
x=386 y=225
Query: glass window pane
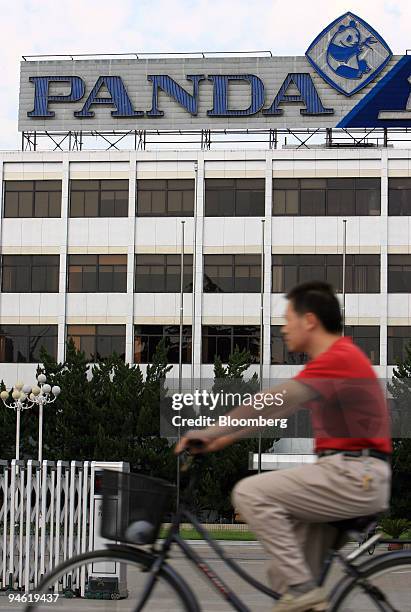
x=105 y=279
x=121 y=205
x=188 y=202
x=312 y=202
x=90 y=283
x=158 y=203
x=174 y=202
x=107 y=204
x=243 y=204
x=143 y=203
x=11 y=205
x=75 y=279
x=279 y=202
x=25 y=204
x=291 y=202
x=41 y=204
x=54 y=204
x=120 y=279
x=212 y=204
x=91 y=204
x=77 y=204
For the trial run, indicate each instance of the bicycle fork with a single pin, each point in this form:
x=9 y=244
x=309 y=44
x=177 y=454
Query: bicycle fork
x=151 y=580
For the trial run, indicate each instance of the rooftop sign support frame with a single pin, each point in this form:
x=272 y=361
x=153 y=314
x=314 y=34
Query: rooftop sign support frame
x=272 y=139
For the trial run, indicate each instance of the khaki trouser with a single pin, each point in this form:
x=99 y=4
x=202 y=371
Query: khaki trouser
x=288 y=510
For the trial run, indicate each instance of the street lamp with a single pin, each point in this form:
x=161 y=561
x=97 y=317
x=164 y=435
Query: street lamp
x=25 y=397
x=42 y=394
x=18 y=403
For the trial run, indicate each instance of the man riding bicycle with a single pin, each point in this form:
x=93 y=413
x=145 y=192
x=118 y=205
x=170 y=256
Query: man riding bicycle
x=289 y=510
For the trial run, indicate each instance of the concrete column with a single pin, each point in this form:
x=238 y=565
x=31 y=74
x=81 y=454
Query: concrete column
x=65 y=195
x=132 y=220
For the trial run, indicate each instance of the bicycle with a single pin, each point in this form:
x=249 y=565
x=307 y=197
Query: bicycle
x=364 y=537
x=153 y=585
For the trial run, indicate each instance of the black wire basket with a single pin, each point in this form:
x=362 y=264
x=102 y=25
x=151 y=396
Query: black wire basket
x=133 y=506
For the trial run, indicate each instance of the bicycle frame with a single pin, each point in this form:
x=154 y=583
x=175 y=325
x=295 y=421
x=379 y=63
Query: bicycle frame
x=173 y=537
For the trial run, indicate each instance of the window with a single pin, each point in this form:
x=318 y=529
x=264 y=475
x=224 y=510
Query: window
x=161 y=273
x=362 y=272
x=22 y=343
x=232 y=273
x=98 y=341
x=221 y=341
x=399 y=338
x=399 y=196
x=32 y=199
x=97 y=273
x=367 y=337
x=326 y=197
x=165 y=198
x=280 y=355
x=105 y=198
x=147 y=337
x=30 y=273
x=234 y=197
x=399 y=273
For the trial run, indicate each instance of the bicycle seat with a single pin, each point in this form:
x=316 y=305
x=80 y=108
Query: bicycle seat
x=357 y=524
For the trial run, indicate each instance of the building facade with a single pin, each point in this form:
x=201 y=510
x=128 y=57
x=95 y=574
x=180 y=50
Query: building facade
x=91 y=249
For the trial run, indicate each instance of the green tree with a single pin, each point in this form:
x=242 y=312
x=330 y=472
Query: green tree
x=220 y=471
x=400 y=389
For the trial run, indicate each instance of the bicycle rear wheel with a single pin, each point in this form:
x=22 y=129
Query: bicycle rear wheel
x=389 y=575
x=111 y=580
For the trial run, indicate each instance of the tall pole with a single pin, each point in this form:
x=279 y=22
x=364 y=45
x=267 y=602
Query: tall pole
x=193 y=295
x=261 y=331
x=180 y=349
x=343 y=272
x=40 y=432
x=18 y=432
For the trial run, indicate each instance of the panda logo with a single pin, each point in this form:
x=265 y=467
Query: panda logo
x=345 y=50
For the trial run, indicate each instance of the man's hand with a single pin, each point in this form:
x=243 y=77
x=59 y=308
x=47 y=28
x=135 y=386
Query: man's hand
x=197 y=442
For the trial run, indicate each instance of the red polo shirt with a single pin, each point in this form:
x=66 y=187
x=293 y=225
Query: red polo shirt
x=350 y=412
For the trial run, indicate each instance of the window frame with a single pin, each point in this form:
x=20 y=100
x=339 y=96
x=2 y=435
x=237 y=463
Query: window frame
x=32 y=332
x=98 y=265
x=169 y=186
x=164 y=262
x=230 y=332
x=352 y=272
x=328 y=188
x=28 y=267
x=96 y=336
x=236 y=189
x=99 y=190
x=159 y=332
x=235 y=262
x=36 y=188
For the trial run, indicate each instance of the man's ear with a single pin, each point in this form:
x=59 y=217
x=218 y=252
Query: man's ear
x=311 y=320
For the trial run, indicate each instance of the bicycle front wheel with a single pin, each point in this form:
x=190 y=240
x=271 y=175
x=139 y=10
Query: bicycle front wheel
x=386 y=577
x=115 y=579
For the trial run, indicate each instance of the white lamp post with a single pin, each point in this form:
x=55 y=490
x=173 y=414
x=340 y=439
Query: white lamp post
x=42 y=394
x=18 y=403
x=25 y=397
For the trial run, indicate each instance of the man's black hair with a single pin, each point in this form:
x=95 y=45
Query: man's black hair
x=319 y=298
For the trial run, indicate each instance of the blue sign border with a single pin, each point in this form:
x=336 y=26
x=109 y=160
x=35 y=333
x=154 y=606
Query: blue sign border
x=327 y=78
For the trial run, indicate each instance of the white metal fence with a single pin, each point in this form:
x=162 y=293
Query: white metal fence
x=46 y=516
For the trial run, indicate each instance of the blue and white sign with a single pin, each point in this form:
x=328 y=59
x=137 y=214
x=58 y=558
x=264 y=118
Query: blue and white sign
x=348 y=78
x=348 y=54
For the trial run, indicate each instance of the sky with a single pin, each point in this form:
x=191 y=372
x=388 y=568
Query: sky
x=286 y=27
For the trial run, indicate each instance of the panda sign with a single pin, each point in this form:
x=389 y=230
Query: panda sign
x=348 y=54
x=347 y=78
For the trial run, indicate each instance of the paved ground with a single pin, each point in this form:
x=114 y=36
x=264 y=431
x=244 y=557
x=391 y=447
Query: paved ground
x=251 y=557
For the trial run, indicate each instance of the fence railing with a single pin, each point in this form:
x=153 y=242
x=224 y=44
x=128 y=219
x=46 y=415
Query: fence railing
x=46 y=516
